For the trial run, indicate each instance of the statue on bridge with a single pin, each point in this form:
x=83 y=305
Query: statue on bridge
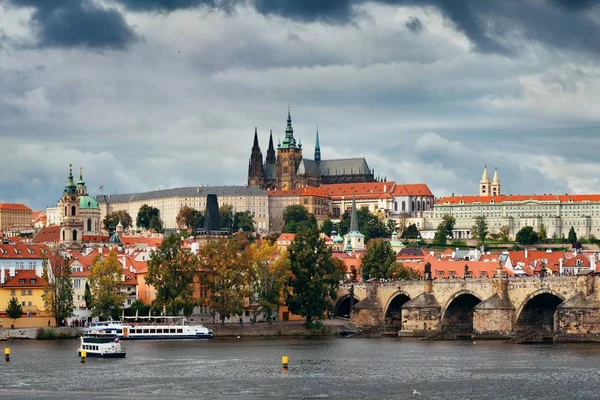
x=428 y=271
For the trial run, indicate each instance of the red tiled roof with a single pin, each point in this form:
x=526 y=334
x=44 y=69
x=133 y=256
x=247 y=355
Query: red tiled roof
x=412 y=189
x=95 y=239
x=448 y=269
x=360 y=190
x=573 y=198
x=286 y=237
x=23 y=250
x=14 y=207
x=49 y=234
x=25 y=276
x=149 y=241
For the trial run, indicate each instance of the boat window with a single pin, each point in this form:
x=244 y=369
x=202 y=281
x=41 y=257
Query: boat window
x=179 y=330
x=172 y=330
x=152 y=330
x=145 y=330
x=159 y=331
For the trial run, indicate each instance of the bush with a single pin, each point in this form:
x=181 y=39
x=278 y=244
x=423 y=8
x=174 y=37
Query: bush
x=45 y=334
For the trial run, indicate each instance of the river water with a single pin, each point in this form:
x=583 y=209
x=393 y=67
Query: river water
x=333 y=368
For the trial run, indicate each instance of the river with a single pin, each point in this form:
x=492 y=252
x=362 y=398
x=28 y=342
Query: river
x=332 y=368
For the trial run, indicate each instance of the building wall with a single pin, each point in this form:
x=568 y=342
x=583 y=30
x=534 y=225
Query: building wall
x=11 y=217
x=277 y=205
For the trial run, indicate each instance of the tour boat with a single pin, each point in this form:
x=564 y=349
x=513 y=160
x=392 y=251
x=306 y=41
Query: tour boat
x=103 y=346
x=151 y=328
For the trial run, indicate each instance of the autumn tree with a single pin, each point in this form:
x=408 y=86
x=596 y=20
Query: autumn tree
x=171 y=271
x=113 y=219
x=397 y=271
x=14 y=309
x=314 y=278
x=58 y=288
x=185 y=219
x=106 y=276
x=270 y=270
x=227 y=277
x=479 y=230
x=378 y=259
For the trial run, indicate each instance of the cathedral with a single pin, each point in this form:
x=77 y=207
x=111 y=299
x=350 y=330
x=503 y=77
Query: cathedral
x=288 y=170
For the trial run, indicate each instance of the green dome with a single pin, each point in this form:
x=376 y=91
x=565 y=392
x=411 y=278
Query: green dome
x=88 y=202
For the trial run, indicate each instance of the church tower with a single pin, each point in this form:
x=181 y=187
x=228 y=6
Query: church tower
x=496 y=184
x=71 y=226
x=289 y=155
x=317 y=148
x=485 y=186
x=271 y=159
x=255 y=166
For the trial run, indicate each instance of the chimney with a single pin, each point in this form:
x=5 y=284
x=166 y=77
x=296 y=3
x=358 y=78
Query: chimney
x=12 y=272
x=560 y=266
x=526 y=253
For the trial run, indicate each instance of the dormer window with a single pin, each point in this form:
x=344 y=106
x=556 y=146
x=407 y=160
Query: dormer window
x=22 y=281
x=32 y=281
x=579 y=263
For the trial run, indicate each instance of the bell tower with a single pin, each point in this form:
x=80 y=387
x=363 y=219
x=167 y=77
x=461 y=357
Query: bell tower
x=485 y=186
x=71 y=225
x=289 y=155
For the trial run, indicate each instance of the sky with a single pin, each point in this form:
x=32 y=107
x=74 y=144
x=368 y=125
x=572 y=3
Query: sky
x=147 y=94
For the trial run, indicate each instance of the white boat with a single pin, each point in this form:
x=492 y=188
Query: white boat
x=151 y=328
x=104 y=346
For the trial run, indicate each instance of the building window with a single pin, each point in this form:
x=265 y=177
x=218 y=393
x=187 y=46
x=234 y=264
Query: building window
x=403 y=206
x=395 y=206
x=74 y=234
x=73 y=210
x=13 y=292
x=89 y=224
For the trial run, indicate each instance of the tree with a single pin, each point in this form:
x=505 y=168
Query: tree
x=243 y=221
x=87 y=296
x=58 y=290
x=505 y=233
x=526 y=235
x=368 y=224
x=543 y=234
x=411 y=232
x=314 y=277
x=378 y=259
x=149 y=218
x=227 y=277
x=269 y=270
x=171 y=271
x=226 y=216
x=139 y=308
x=479 y=231
x=113 y=219
x=390 y=226
x=398 y=271
x=14 y=309
x=186 y=218
x=106 y=276
x=572 y=236
x=327 y=226
x=297 y=218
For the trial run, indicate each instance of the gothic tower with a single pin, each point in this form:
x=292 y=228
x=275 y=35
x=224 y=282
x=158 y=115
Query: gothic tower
x=496 y=184
x=255 y=166
x=271 y=151
x=289 y=155
x=485 y=186
x=317 y=148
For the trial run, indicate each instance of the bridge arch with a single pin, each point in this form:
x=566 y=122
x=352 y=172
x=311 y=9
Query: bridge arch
x=537 y=311
x=343 y=305
x=393 y=308
x=458 y=311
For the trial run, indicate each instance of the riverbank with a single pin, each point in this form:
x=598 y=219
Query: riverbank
x=32 y=333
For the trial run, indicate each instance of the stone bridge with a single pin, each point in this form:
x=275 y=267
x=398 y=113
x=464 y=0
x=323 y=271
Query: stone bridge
x=498 y=307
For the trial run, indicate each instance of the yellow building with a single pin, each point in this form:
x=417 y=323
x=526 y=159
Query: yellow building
x=28 y=288
x=14 y=214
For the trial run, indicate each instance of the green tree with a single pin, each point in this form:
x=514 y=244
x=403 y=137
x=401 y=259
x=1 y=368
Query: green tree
x=112 y=220
x=14 y=309
x=269 y=270
x=526 y=235
x=226 y=216
x=243 y=221
x=227 y=276
x=106 y=276
x=139 y=308
x=87 y=296
x=572 y=236
x=314 y=278
x=411 y=232
x=327 y=226
x=543 y=234
x=398 y=271
x=479 y=231
x=444 y=230
x=390 y=226
x=369 y=224
x=504 y=233
x=149 y=218
x=378 y=259
x=171 y=272
x=297 y=218
x=58 y=289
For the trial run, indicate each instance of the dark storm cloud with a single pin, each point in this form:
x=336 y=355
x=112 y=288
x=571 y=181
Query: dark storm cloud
x=335 y=11
x=77 y=23
x=173 y=5
x=414 y=25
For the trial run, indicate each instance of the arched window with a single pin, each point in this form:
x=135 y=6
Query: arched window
x=63 y=234
x=73 y=210
x=74 y=234
x=403 y=206
x=423 y=205
x=395 y=206
x=89 y=225
x=413 y=206
x=65 y=211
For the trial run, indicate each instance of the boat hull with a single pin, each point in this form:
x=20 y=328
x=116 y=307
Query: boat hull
x=103 y=355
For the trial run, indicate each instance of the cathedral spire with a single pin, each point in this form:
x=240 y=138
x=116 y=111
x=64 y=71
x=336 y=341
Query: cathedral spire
x=70 y=187
x=354 y=216
x=255 y=145
x=485 y=177
x=289 y=131
x=271 y=151
x=317 y=147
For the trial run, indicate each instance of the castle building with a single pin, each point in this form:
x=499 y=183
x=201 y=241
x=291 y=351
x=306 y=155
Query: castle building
x=80 y=213
x=289 y=170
